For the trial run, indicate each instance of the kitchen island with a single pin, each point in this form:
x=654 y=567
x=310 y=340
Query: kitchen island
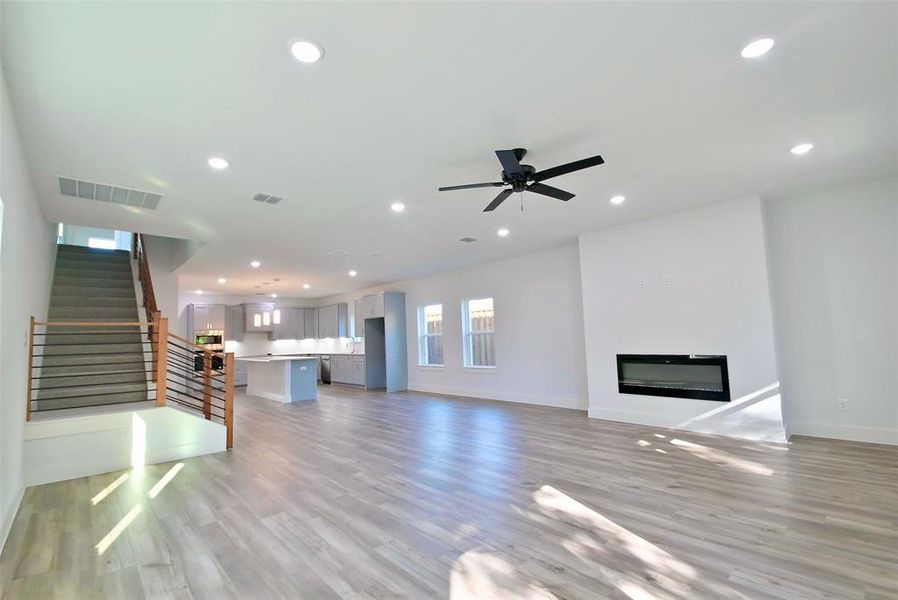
x=288 y=378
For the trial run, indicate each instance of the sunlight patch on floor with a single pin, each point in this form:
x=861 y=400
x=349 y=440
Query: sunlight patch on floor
x=103 y=545
x=483 y=575
x=719 y=457
x=160 y=485
x=109 y=489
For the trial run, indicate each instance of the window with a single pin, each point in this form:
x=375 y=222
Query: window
x=479 y=329
x=430 y=335
x=101 y=243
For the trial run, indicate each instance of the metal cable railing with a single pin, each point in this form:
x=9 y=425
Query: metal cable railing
x=78 y=364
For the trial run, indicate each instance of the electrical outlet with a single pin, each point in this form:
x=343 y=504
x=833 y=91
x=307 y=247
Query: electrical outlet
x=843 y=404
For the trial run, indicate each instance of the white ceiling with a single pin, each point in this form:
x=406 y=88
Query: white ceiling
x=411 y=96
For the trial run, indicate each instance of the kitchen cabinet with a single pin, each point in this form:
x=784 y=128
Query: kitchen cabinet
x=258 y=317
x=205 y=317
x=288 y=323
x=348 y=369
x=358 y=320
x=239 y=373
x=234 y=323
x=374 y=306
x=310 y=319
x=332 y=321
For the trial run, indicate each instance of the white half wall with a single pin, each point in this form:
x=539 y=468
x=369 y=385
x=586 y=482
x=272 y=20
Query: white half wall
x=693 y=282
x=539 y=329
x=60 y=449
x=834 y=275
x=26 y=270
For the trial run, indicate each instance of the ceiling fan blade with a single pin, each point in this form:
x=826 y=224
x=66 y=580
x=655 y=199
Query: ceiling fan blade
x=568 y=168
x=548 y=190
x=510 y=163
x=498 y=200
x=471 y=186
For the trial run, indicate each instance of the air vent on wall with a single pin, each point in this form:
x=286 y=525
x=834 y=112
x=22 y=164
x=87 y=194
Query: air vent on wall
x=267 y=198
x=467 y=240
x=102 y=192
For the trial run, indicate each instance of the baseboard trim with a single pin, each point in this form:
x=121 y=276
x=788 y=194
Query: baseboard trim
x=553 y=401
x=10 y=515
x=851 y=433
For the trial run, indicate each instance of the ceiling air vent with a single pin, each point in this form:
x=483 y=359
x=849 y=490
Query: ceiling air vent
x=108 y=193
x=467 y=240
x=267 y=198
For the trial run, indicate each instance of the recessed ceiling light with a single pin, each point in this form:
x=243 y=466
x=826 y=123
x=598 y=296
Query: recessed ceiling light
x=274 y=295
x=218 y=163
x=353 y=273
x=222 y=280
x=255 y=264
x=306 y=51
x=306 y=286
x=617 y=200
x=802 y=148
x=397 y=207
x=757 y=48
x=199 y=291
x=503 y=232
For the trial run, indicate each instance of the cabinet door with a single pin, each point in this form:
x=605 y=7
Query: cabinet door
x=201 y=320
x=374 y=306
x=310 y=318
x=234 y=323
x=358 y=311
x=217 y=317
x=250 y=322
x=327 y=322
x=338 y=374
x=299 y=324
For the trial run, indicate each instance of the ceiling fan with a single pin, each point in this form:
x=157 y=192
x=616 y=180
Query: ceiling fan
x=524 y=178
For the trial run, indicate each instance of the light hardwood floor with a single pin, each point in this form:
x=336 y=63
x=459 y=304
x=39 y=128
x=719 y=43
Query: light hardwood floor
x=369 y=495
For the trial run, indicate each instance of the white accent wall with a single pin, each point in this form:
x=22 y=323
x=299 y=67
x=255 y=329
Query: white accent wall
x=539 y=329
x=693 y=282
x=26 y=270
x=834 y=273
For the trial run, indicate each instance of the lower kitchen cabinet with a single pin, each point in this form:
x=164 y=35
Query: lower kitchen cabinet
x=347 y=368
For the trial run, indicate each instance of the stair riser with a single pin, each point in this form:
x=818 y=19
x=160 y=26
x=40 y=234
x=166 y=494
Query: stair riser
x=78 y=291
x=97 y=273
x=135 y=365
x=65 y=249
x=93 y=282
x=90 y=401
x=110 y=349
x=61 y=383
x=74 y=313
x=113 y=302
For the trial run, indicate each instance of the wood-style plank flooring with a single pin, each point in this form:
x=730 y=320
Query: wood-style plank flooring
x=364 y=495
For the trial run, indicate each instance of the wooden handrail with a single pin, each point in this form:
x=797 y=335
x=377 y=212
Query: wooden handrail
x=139 y=251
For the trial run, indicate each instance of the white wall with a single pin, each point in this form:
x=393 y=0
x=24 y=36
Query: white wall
x=539 y=329
x=26 y=265
x=165 y=255
x=834 y=275
x=694 y=282
x=79 y=235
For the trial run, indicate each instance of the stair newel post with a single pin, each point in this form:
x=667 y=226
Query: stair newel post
x=207 y=385
x=161 y=360
x=229 y=398
x=30 y=369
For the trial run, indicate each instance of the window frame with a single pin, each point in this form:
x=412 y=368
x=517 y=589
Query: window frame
x=467 y=336
x=423 y=337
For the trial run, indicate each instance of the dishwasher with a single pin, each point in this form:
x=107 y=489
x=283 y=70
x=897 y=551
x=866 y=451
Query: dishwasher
x=325 y=368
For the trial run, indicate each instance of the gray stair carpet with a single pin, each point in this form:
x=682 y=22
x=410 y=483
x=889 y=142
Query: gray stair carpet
x=90 y=366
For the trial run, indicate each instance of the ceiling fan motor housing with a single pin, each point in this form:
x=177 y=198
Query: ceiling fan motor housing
x=519 y=181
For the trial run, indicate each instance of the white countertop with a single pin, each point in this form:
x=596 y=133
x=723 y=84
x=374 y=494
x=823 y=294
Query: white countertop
x=276 y=358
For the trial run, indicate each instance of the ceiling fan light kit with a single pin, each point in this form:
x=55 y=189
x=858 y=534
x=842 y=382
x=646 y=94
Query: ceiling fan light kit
x=525 y=178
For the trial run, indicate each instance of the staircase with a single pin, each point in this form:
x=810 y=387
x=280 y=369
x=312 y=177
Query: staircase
x=90 y=366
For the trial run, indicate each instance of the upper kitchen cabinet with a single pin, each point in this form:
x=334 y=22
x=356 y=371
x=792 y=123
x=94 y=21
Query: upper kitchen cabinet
x=205 y=317
x=310 y=317
x=373 y=306
x=234 y=323
x=288 y=323
x=259 y=317
x=333 y=321
x=358 y=319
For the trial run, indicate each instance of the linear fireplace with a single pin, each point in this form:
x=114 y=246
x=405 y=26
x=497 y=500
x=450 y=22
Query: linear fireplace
x=674 y=375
